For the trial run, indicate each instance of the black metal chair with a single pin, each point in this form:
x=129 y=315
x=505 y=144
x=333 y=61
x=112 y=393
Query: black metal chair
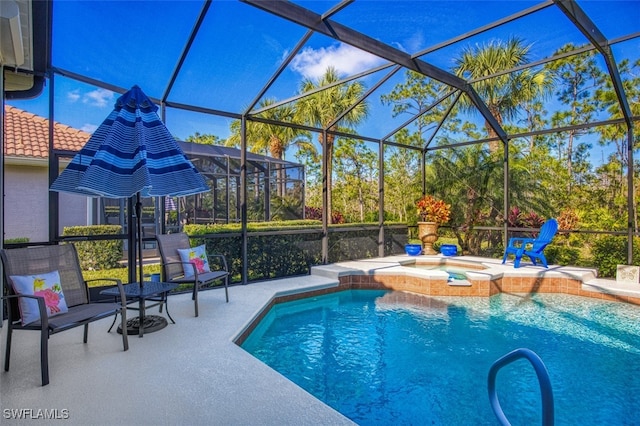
x=173 y=267
x=34 y=261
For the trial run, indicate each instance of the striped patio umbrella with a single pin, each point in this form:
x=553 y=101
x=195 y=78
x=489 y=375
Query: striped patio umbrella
x=131 y=154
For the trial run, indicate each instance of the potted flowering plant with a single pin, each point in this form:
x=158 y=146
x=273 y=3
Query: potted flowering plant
x=432 y=209
x=433 y=212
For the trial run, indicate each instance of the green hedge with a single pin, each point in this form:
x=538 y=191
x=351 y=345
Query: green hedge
x=282 y=255
x=121 y=273
x=270 y=256
x=562 y=255
x=610 y=251
x=217 y=228
x=17 y=240
x=95 y=255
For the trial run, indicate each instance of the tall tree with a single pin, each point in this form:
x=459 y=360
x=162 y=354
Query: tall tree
x=412 y=97
x=402 y=178
x=271 y=138
x=402 y=166
x=503 y=94
x=534 y=119
x=322 y=108
x=357 y=172
x=617 y=134
x=204 y=139
x=576 y=77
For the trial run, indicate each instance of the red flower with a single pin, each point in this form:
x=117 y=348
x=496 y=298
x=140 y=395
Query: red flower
x=51 y=300
x=199 y=264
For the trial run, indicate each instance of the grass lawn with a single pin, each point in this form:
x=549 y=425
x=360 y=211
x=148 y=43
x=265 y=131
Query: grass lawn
x=117 y=273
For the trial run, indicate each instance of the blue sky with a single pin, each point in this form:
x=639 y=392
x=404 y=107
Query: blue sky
x=239 y=47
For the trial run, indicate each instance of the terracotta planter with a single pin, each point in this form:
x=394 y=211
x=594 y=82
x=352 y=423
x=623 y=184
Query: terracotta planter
x=428 y=234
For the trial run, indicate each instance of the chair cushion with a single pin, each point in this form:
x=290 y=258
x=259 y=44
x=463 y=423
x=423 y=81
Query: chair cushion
x=45 y=285
x=198 y=257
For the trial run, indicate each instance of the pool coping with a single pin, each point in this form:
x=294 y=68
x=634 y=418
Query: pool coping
x=393 y=273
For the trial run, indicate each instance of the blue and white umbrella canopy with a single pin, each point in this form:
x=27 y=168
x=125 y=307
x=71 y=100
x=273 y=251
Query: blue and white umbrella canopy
x=132 y=152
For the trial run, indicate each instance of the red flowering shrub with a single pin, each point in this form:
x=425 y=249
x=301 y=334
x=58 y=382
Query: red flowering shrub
x=315 y=213
x=520 y=219
x=531 y=220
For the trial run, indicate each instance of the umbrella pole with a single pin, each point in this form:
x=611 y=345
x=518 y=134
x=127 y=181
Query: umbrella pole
x=139 y=225
x=132 y=251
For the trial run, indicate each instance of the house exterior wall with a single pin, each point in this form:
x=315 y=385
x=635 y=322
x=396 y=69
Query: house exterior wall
x=73 y=211
x=26 y=211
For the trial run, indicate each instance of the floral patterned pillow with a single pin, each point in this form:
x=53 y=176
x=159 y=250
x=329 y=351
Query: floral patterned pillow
x=44 y=285
x=196 y=256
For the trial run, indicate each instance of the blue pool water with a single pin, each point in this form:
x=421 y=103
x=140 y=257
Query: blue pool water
x=396 y=358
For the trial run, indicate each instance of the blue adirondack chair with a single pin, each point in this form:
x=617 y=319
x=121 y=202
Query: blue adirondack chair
x=532 y=247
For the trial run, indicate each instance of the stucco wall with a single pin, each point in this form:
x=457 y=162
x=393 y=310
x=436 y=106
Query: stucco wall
x=26 y=211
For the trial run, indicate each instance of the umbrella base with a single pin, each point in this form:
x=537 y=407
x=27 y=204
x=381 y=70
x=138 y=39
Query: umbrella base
x=150 y=324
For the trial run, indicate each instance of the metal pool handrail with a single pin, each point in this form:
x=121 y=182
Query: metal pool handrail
x=543 y=379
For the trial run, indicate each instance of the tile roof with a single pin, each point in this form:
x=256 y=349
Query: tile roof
x=27 y=135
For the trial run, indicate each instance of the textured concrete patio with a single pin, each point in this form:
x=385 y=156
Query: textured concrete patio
x=189 y=373
x=192 y=372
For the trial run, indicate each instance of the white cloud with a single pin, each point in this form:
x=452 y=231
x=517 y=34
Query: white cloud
x=73 y=96
x=89 y=128
x=347 y=60
x=414 y=44
x=99 y=98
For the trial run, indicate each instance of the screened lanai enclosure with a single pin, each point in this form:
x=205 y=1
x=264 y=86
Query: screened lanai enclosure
x=511 y=112
x=275 y=192
x=269 y=183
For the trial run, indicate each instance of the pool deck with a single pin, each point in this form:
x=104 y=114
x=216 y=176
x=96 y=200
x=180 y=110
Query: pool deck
x=192 y=372
x=189 y=373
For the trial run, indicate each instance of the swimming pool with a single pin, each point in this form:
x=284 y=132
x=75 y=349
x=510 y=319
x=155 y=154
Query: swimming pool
x=383 y=357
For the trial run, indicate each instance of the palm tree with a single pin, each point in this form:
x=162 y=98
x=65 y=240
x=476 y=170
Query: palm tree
x=505 y=93
x=322 y=108
x=271 y=138
x=467 y=178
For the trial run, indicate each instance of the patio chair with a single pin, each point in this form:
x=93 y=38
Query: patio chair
x=46 y=292
x=532 y=247
x=183 y=264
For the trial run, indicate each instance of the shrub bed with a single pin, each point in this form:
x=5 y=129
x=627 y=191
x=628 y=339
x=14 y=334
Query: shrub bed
x=272 y=255
x=101 y=254
x=610 y=251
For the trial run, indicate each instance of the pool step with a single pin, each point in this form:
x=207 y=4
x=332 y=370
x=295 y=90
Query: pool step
x=459 y=283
